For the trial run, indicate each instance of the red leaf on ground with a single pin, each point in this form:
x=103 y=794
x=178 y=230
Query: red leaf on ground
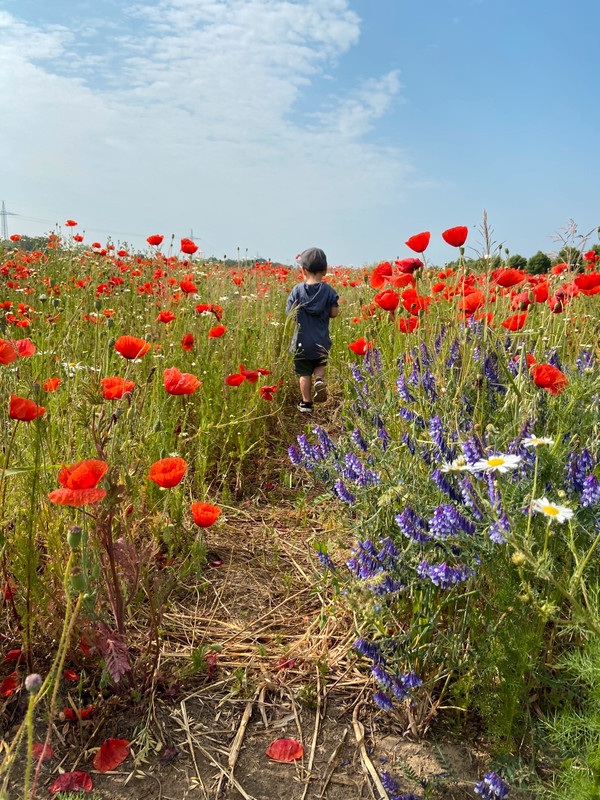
x=285 y=750
x=72 y=781
x=215 y=564
x=83 y=713
x=284 y=663
x=42 y=751
x=70 y=675
x=167 y=755
x=112 y=753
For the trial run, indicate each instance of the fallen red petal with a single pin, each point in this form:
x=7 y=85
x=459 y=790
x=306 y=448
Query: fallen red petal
x=72 y=781
x=112 y=753
x=285 y=750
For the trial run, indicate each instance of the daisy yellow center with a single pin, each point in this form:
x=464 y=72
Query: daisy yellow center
x=550 y=510
x=495 y=462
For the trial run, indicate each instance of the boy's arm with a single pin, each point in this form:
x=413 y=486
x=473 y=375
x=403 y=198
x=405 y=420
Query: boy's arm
x=334 y=311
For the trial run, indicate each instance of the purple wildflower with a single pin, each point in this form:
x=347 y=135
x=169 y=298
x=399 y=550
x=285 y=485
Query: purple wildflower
x=383 y=701
x=370 y=650
x=412 y=525
x=343 y=493
x=358 y=440
x=591 y=491
x=403 y=390
x=492 y=787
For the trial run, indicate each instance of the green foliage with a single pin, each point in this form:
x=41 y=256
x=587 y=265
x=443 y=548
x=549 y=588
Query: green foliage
x=517 y=262
x=539 y=264
x=571 y=256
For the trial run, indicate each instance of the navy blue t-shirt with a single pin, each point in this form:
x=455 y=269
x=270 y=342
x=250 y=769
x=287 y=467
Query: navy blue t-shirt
x=311 y=302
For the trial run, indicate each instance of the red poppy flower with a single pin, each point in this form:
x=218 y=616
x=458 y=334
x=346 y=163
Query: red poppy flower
x=8 y=352
x=528 y=358
x=82 y=713
x=167 y=472
x=413 y=302
x=204 y=514
x=558 y=269
x=360 y=346
x=187 y=287
x=457 y=236
x=15 y=237
x=402 y=280
x=251 y=375
x=216 y=332
x=419 y=241
x=178 y=383
x=51 y=384
x=72 y=782
x=285 y=750
x=380 y=275
x=24 y=410
x=235 y=380
x=588 y=283
x=80 y=482
x=25 y=347
x=9 y=685
x=155 y=239
x=549 y=378
x=188 y=247
x=515 y=323
x=267 y=392
x=70 y=223
x=408 y=325
x=114 y=388
x=42 y=751
x=472 y=302
x=187 y=341
x=387 y=299
x=408 y=265
x=131 y=347
x=112 y=753
x=262 y=371
x=78 y=238
x=165 y=316
x=508 y=277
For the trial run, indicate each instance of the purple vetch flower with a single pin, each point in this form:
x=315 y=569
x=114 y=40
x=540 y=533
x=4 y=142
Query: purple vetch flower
x=453 y=354
x=358 y=440
x=415 y=375
x=500 y=529
x=295 y=455
x=439 y=340
x=381 y=676
x=411 y=416
x=356 y=373
x=326 y=561
x=469 y=497
x=436 y=432
x=578 y=468
x=403 y=390
x=369 y=649
x=310 y=452
x=442 y=482
x=447 y=521
x=402 y=685
x=428 y=382
x=372 y=360
x=585 y=360
x=591 y=491
x=492 y=787
x=382 y=434
x=476 y=353
x=324 y=440
x=344 y=495
x=383 y=701
x=472 y=450
x=442 y=575
x=389 y=783
x=412 y=526
x=408 y=442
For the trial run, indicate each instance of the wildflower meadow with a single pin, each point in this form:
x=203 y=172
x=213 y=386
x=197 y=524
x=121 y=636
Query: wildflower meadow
x=452 y=480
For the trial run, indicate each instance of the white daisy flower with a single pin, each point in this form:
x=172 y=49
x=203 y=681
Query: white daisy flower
x=559 y=513
x=496 y=463
x=537 y=441
x=458 y=465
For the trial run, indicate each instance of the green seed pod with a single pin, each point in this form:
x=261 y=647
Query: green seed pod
x=111 y=342
x=110 y=322
x=77 y=582
x=98 y=305
x=56 y=302
x=74 y=537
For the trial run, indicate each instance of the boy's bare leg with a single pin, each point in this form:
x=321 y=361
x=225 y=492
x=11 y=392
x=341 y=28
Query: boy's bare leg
x=319 y=372
x=305 y=388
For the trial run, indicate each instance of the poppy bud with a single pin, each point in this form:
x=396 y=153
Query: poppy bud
x=110 y=322
x=74 y=536
x=97 y=304
x=461 y=250
x=118 y=412
x=111 y=342
x=147 y=337
x=35 y=388
x=56 y=302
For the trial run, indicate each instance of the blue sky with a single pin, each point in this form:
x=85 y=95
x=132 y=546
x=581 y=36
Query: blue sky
x=274 y=125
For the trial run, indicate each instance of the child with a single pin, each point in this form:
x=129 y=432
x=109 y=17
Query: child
x=315 y=303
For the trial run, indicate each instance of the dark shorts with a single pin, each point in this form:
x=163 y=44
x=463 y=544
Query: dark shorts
x=304 y=367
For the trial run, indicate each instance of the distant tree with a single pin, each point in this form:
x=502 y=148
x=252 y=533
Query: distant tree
x=570 y=256
x=517 y=262
x=539 y=264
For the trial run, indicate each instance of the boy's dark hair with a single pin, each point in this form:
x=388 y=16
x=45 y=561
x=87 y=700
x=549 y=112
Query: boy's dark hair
x=313 y=260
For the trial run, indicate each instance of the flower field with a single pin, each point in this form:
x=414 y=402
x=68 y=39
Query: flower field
x=144 y=397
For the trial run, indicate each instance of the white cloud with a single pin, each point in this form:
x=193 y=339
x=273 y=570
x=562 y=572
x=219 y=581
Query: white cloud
x=186 y=115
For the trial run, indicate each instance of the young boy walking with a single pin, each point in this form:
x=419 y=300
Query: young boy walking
x=314 y=303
